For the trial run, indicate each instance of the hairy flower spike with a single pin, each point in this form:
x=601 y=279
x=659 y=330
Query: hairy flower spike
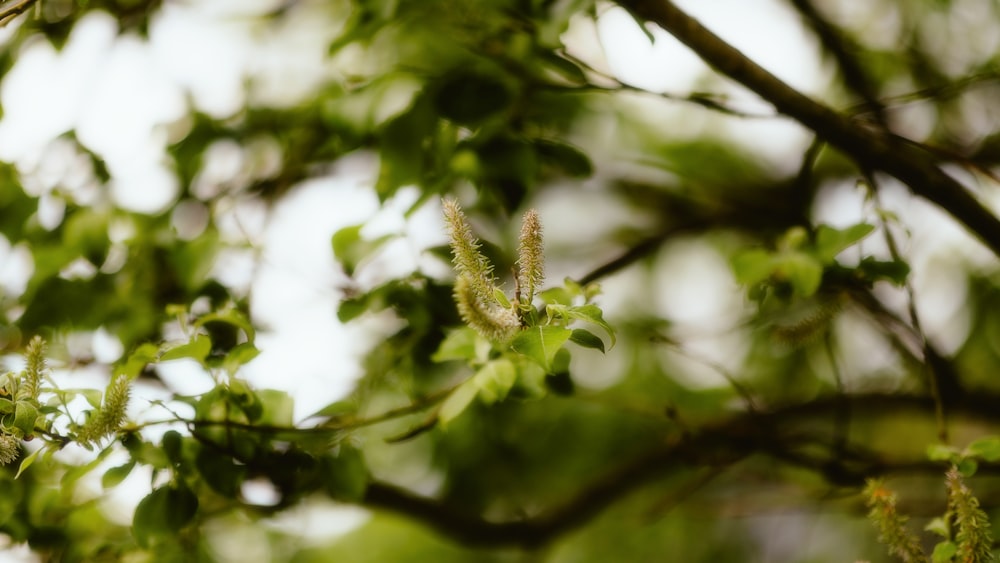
x=31 y=377
x=469 y=262
x=973 y=538
x=10 y=448
x=891 y=524
x=110 y=417
x=530 y=260
x=493 y=322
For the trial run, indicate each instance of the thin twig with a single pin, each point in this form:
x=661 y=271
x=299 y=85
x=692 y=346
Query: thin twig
x=10 y=11
x=871 y=148
x=932 y=375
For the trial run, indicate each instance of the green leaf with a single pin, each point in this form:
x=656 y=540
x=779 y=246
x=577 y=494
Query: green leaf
x=895 y=271
x=469 y=97
x=586 y=339
x=25 y=415
x=279 y=407
x=987 y=449
x=459 y=344
x=830 y=242
x=114 y=476
x=541 y=343
x=803 y=271
x=530 y=379
x=352 y=308
x=240 y=355
x=568 y=158
x=336 y=409
x=137 y=361
x=556 y=295
x=944 y=552
x=495 y=380
x=163 y=513
x=589 y=313
x=967 y=467
x=172 y=444
x=219 y=472
x=560 y=383
x=457 y=401
x=232 y=317
x=938 y=526
x=94 y=397
x=351 y=249
x=752 y=266
x=74 y=473
x=26 y=462
x=501 y=298
x=941 y=452
x=346 y=476
x=197 y=349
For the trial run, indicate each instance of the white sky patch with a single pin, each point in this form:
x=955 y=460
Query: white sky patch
x=295 y=297
x=207 y=57
x=46 y=91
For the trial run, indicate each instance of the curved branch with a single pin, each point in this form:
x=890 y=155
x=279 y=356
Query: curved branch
x=10 y=11
x=716 y=445
x=840 y=48
x=870 y=148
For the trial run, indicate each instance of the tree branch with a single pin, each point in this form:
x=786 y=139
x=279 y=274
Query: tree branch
x=715 y=445
x=10 y=11
x=840 y=48
x=870 y=148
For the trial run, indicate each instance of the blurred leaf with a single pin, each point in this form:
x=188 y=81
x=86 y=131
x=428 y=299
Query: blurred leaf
x=336 y=409
x=27 y=462
x=752 y=266
x=939 y=527
x=197 y=349
x=115 y=475
x=232 y=317
x=402 y=152
x=803 y=271
x=895 y=271
x=469 y=97
x=571 y=160
x=459 y=344
x=220 y=472
x=279 y=407
x=944 y=552
x=346 y=476
x=457 y=402
x=352 y=308
x=967 y=467
x=586 y=339
x=941 y=452
x=86 y=231
x=239 y=356
x=351 y=249
x=137 y=361
x=830 y=242
x=987 y=449
x=495 y=380
x=163 y=513
x=25 y=415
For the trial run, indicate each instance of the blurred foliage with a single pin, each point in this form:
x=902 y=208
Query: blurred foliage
x=756 y=356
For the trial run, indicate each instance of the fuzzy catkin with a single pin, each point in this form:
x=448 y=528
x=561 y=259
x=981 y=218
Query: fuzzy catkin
x=530 y=259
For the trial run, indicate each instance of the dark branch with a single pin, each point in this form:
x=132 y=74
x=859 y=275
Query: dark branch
x=716 y=445
x=870 y=148
x=841 y=49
